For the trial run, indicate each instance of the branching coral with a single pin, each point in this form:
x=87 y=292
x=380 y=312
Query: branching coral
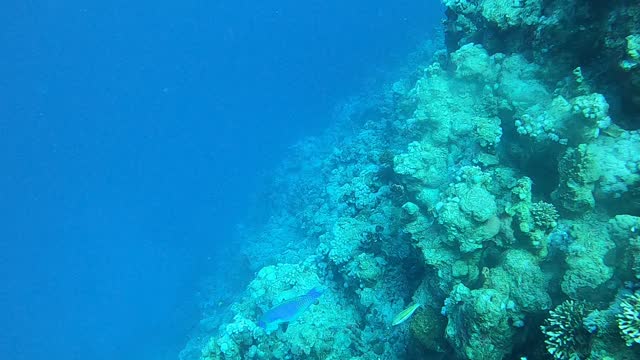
x=544 y=215
x=629 y=319
x=566 y=337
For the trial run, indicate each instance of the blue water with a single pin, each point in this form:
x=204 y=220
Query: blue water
x=133 y=135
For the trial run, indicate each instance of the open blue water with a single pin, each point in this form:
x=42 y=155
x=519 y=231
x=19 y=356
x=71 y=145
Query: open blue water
x=132 y=136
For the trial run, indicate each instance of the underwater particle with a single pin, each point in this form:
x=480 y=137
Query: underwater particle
x=405 y=314
x=629 y=319
x=289 y=310
x=566 y=337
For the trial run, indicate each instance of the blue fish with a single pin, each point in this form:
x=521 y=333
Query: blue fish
x=289 y=310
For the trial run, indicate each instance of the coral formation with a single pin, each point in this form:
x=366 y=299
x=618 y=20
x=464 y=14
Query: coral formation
x=588 y=270
x=478 y=326
x=625 y=231
x=428 y=326
x=495 y=180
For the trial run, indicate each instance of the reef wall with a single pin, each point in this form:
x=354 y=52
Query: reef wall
x=497 y=184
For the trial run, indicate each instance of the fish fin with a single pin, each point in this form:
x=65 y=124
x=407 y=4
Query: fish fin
x=285 y=326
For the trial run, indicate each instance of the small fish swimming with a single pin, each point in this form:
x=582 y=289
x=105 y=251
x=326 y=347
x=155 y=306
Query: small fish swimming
x=289 y=310
x=405 y=314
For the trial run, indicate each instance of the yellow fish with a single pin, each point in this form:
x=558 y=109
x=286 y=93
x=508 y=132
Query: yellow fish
x=405 y=314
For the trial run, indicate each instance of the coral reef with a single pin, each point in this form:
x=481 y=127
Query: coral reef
x=494 y=181
x=559 y=35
